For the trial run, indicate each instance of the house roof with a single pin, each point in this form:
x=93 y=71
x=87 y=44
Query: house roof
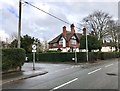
x=68 y=36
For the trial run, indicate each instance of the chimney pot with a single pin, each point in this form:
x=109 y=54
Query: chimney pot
x=64 y=31
x=72 y=28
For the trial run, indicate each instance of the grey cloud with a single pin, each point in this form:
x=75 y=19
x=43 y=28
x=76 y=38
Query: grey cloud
x=48 y=27
x=9 y=21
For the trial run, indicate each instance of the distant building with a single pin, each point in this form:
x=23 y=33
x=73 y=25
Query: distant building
x=69 y=41
x=107 y=47
x=66 y=41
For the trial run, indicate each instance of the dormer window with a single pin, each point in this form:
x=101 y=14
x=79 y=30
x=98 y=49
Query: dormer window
x=73 y=37
x=73 y=40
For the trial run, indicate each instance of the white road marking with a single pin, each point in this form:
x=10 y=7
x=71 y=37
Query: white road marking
x=56 y=65
x=95 y=71
x=56 y=71
x=66 y=68
x=62 y=69
x=108 y=65
x=72 y=66
x=64 y=84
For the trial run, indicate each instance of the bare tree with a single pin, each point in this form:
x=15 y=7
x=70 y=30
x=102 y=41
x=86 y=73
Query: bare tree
x=98 y=22
x=113 y=33
x=13 y=36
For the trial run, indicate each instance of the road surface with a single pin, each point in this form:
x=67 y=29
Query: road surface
x=103 y=75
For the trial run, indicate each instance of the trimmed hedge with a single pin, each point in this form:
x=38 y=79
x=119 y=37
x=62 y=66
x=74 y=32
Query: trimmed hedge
x=108 y=55
x=12 y=59
x=52 y=57
x=67 y=56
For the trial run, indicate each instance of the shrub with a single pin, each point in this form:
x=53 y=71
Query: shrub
x=62 y=57
x=12 y=59
x=108 y=55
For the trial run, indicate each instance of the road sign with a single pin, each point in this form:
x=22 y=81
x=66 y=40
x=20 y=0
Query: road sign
x=33 y=50
x=34 y=47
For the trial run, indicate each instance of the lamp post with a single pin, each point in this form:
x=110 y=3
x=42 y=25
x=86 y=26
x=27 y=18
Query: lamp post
x=86 y=47
x=86 y=43
x=75 y=56
x=118 y=41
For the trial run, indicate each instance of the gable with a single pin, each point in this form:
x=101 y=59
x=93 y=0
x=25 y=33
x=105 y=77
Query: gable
x=74 y=37
x=56 y=39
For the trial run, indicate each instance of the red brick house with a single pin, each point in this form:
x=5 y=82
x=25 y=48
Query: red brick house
x=66 y=41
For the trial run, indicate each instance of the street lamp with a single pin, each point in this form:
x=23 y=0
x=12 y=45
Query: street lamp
x=75 y=56
x=118 y=41
x=86 y=43
x=86 y=46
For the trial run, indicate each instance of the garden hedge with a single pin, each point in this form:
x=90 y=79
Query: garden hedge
x=67 y=56
x=12 y=59
x=108 y=55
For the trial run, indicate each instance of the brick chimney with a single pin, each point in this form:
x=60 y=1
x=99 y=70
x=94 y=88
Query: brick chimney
x=84 y=31
x=64 y=31
x=72 y=28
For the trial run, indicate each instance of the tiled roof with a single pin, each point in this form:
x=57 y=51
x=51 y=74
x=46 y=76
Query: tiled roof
x=55 y=40
x=68 y=36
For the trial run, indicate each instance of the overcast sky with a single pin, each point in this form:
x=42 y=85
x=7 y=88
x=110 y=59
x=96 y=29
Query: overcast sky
x=44 y=27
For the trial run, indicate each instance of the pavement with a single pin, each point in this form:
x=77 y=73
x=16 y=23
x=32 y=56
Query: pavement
x=25 y=73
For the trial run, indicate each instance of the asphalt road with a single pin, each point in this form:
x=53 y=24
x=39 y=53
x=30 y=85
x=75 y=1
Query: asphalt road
x=103 y=75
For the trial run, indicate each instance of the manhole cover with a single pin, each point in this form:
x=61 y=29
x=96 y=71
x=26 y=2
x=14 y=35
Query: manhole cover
x=112 y=74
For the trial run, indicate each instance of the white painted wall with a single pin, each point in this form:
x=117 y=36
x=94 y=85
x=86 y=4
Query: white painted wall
x=64 y=42
x=108 y=49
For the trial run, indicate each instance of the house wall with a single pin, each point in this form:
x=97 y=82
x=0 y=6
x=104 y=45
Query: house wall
x=71 y=45
x=64 y=42
x=108 y=49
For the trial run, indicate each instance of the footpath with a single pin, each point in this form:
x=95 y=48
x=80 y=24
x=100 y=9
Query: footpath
x=24 y=74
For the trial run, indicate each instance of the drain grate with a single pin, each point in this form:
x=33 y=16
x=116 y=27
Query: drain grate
x=112 y=74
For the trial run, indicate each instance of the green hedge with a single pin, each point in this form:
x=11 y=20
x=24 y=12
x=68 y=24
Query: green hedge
x=52 y=57
x=108 y=55
x=62 y=57
x=67 y=57
x=12 y=59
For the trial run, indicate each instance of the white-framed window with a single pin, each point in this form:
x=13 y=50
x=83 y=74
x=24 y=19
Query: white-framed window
x=73 y=40
x=73 y=37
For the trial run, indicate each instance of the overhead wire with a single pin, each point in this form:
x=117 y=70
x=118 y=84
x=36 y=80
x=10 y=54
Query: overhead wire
x=48 y=13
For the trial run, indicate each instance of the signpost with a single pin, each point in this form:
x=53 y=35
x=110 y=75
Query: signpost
x=33 y=50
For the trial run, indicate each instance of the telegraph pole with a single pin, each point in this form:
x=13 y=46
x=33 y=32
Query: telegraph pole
x=19 y=24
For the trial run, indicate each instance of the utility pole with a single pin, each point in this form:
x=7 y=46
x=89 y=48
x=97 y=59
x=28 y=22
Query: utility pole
x=19 y=24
